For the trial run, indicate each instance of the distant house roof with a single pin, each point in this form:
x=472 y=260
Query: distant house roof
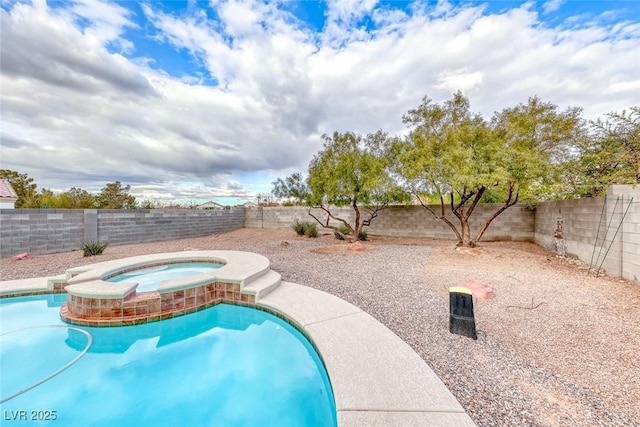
x=210 y=205
x=6 y=190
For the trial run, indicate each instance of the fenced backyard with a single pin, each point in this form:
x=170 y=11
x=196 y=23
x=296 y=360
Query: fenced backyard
x=556 y=347
x=603 y=232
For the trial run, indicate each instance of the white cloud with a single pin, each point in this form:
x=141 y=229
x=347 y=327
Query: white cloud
x=43 y=46
x=72 y=97
x=461 y=79
x=106 y=20
x=551 y=6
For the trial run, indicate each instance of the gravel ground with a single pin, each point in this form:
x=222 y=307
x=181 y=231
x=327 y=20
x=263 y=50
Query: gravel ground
x=556 y=347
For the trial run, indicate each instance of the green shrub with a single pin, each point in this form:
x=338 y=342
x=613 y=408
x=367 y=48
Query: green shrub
x=346 y=232
x=298 y=227
x=342 y=229
x=93 y=248
x=310 y=229
x=305 y=228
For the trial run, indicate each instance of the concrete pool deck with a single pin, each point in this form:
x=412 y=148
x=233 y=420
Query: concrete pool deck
x=377 y=379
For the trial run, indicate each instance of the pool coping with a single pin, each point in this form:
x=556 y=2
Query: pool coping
x=377 y=379
x=237 y=267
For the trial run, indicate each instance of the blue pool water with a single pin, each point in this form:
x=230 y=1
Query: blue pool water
x=223 y=366
x=149 y=278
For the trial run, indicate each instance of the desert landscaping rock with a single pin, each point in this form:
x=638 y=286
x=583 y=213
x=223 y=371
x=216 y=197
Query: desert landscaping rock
x=555 y=347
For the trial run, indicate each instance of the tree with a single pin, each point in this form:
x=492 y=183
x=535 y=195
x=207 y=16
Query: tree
x=293 y=188
x=75 y=198
x=78 y=198
x=51 y=200
x=347 y=172
x=540 y=143
x=456 y=156
x=115 y=196
x=264 y=199
x=24 y=187
x=611 y=154
x=149 y=204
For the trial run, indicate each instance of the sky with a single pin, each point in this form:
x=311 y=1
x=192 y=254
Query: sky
x=190 y=101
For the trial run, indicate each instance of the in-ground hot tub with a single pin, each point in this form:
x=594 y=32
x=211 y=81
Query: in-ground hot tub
x=148 y=278
x=242 y=278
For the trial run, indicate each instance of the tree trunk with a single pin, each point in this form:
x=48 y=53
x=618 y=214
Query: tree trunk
x=358 y=226
x=463 y=215
x=466 y=232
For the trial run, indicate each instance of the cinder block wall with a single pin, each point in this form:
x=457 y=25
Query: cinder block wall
x=631 y=240
x=39 y=231
x=516 y=223
x=593 y=230
x=253 y=217
x=574 y=221
x=122 y=227
x=44 y=231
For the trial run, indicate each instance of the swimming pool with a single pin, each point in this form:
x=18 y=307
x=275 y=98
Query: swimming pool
x=149 y=278
x=226 y=365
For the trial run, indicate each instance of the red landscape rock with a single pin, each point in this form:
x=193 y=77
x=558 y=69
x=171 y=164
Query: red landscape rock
x=479 y=289
x=468 y=251
x=356 y=247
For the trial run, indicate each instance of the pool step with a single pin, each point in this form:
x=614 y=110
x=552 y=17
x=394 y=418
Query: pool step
x=57 y=283
x=264 y=284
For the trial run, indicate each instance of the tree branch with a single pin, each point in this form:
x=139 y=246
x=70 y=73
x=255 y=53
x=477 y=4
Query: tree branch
x=427 y=206
x=477 y=200
x=373 y=213
x=506 y=206
x=442 y=217
x=455 y=209
x=329 y=217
